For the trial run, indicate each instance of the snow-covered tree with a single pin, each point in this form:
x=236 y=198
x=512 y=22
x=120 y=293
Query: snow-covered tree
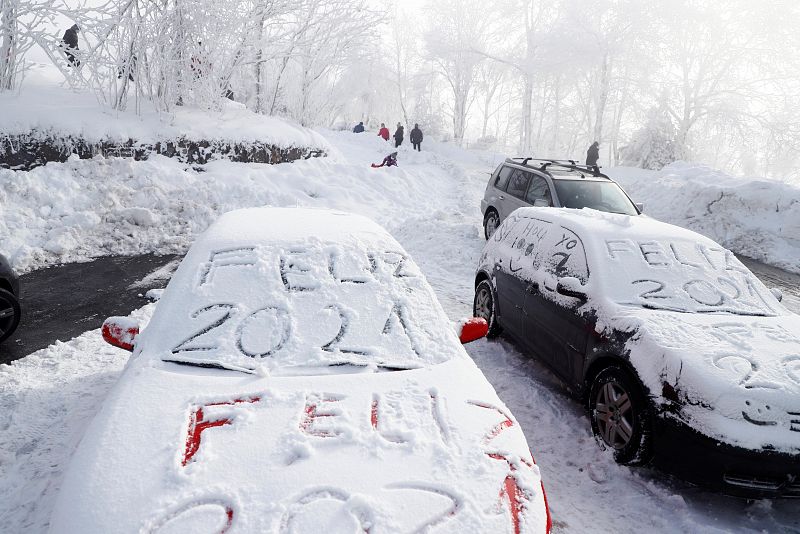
x=654 y=145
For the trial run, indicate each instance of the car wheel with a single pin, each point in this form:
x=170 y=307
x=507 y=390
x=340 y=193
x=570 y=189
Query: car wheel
x=9 y=313
x=490 y=223
x=483 y=306
x=621 y=416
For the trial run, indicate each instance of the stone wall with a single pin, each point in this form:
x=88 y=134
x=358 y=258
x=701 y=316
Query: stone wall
x=26 y=151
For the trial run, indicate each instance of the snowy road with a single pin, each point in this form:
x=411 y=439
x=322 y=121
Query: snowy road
x=430 y=204
x=64 y=301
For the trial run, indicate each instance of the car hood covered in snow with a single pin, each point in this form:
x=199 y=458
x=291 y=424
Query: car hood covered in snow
x=179 y=449
x=736 y=378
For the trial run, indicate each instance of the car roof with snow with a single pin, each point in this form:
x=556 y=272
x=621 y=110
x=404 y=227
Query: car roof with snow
x=299 y=291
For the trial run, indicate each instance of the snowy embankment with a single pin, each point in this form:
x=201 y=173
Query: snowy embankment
x=43 y=107
x=758 y=218
x=86 y=208
x=44 y=124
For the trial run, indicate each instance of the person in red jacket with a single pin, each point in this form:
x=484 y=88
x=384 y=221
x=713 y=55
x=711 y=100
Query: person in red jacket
x=384 y=132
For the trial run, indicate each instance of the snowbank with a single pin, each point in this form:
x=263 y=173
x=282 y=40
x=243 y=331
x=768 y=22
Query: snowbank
x=758 y=218
x=81 y=209
x=59 y=112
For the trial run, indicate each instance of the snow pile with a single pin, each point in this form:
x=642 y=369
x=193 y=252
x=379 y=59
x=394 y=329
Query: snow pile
x=61 y=113
x=86 y=208
x=753 y=217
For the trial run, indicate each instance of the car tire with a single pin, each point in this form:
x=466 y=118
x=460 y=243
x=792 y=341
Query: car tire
x=621 y=416
x=483 y=305
x=9 y=314
x=490 y=223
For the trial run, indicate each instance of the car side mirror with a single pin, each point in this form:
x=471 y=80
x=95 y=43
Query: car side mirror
x=121 y=332
x=541 y=203
x=777 y=293
x=639 y=206
x=571 y=287
x=472 y=329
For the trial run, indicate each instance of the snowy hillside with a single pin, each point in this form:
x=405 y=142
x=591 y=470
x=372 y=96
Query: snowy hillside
x=50 y=110
x=430 y=203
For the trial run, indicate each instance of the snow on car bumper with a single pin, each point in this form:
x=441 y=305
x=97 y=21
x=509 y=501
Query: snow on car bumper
x=737 y=471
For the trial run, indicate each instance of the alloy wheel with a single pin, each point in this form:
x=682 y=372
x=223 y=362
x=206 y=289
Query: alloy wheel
x=614 y=414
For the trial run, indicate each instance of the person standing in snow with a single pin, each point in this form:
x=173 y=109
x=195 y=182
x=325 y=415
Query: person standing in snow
x=384 y=132
x=398 y=135
x=592 y=155
x=416 y=137
x=70 y=44
x=359 y=127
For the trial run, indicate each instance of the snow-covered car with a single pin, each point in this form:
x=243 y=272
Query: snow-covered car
x=681 y=354
x=299 y=375
x=520 y=182
x=10 y=311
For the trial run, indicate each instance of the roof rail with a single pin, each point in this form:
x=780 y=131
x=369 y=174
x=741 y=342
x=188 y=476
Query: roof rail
x=565 y=164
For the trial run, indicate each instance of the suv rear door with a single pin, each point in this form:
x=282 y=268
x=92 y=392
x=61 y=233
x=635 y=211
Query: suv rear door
x=516 y=189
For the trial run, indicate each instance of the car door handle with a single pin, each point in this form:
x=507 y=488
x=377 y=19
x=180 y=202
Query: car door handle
x=533 y=287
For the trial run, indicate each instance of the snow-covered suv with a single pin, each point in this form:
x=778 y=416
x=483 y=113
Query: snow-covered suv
x=679 y=351
x=558 y=183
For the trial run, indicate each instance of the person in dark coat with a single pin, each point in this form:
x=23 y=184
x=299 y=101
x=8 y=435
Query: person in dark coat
x=384 y=132
x=592 y=155
x=359 y=127
x=398 y=135
x=70 y=44
x=416 y=137
x=388 y=161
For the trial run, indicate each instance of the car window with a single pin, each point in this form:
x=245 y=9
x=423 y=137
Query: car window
x=518 y=183
x=502 y=178
x=538 y=245
x=599 y=195
x=538 y=190
x=295 y=308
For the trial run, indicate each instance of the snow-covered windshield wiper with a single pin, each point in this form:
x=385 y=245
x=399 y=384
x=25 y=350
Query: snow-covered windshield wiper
x=730 y=311
x=212 y=365
x=378 y=366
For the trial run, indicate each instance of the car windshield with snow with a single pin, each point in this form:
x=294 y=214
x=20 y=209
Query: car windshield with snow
x=682 y=355
x=299 y=375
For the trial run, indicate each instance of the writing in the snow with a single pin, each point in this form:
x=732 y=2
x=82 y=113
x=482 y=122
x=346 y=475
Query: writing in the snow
x=688 y=277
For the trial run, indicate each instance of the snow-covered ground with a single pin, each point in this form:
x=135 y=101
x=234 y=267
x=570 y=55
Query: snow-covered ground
x=41 y=106
x=430 y=204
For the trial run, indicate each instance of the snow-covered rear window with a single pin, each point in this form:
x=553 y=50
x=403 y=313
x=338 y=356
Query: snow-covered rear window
x=306 y=308
x=543 y=247
x=683 y=276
